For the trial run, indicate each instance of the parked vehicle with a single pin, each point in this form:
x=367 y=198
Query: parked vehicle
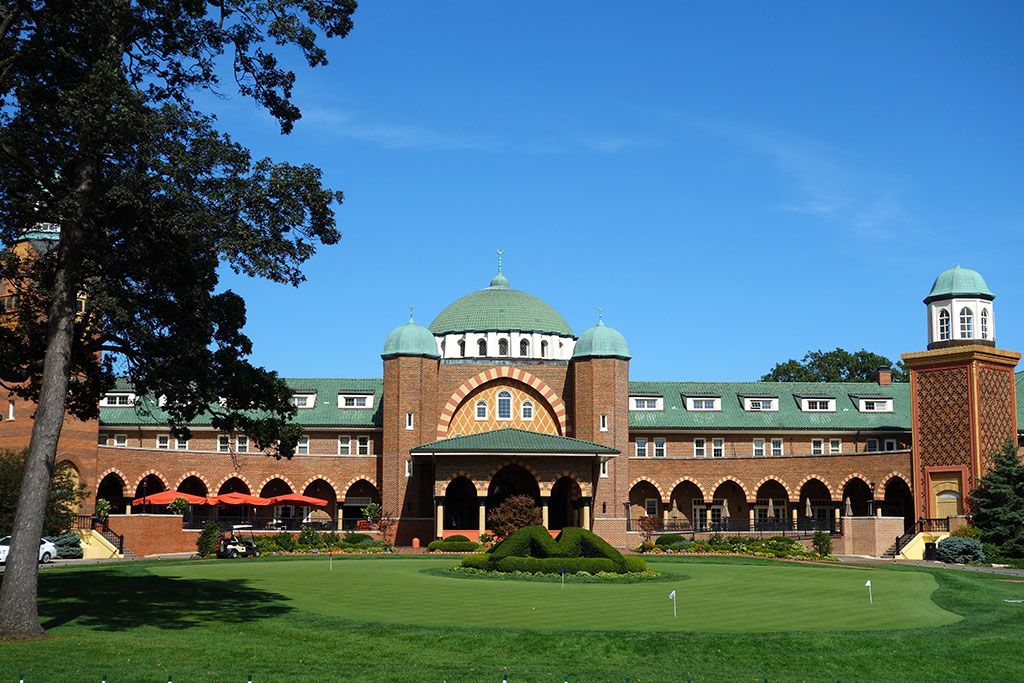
x=47 y=550
x=233 y=543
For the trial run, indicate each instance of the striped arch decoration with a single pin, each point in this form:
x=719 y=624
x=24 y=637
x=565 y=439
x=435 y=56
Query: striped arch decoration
x=235 y=475
x=157 y=474
x=112 y=470
x=545 y=489
x=271 y=478
x=326 y=480
x=823 y=480
x=353 y=481
x=684 y=480
x=725 y=479
x=442 y=486
x=849 y=477
x=895 y=475
x=649 y=481
x=517 y=374
x=526 y=466
x=198 y=476
x=778 y=480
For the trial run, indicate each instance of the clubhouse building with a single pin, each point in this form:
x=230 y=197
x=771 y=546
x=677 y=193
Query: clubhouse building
x=499 y=396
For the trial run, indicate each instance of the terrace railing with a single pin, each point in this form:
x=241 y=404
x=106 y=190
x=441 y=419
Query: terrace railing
x=802 y=527
x=933 y=524
x=258 y=523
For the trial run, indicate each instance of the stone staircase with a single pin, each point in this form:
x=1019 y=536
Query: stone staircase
x=899 y=544
x=115 y=541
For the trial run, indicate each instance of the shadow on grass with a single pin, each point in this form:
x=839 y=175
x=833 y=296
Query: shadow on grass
x=111 y=600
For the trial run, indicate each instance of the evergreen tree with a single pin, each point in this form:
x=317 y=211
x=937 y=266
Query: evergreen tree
x=999 y=502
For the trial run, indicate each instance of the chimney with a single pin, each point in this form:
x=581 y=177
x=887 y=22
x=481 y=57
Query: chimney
x=884 y=376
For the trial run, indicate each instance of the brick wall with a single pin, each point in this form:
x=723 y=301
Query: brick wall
x=153 y=534
x=870 y=536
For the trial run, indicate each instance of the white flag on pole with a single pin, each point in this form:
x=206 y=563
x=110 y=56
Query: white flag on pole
x=672 y=595
x=867 y=584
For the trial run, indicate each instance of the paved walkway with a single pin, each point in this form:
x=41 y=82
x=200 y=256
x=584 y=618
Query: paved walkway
x=1006 y=571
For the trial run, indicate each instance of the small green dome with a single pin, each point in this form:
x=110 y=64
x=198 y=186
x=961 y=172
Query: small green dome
x=499 y=308
x=410 y=339
x=959 y=282
x=601 y=341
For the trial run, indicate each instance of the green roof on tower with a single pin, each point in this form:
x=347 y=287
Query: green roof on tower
x=499 y=308
x=601 y=341
x=957 y=282
x=410 y=339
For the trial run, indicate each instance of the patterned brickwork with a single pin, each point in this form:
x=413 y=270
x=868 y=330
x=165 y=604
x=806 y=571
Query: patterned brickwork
x=943 y=413
x=998 y=417
x=551 y=395
x=465 y=421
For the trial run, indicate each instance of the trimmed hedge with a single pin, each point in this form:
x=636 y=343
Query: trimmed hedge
x=532 y=550
x=555 y=565
x=670 y=539
x=450 y=546
x=478 y=561
x=457 y=537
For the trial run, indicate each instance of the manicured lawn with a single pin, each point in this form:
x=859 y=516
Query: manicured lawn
x=385 y=619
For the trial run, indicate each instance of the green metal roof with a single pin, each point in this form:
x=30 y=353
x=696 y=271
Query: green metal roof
x=789 y=416
x=601 y=341
x=410 y=339
x=959 y=282
x=324 y=414
x=499 y=308
x=513 y=440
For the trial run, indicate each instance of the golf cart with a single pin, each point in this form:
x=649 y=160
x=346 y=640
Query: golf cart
x=233 y=543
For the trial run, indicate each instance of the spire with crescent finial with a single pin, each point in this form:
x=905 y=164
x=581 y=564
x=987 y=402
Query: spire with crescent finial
x=499 y=281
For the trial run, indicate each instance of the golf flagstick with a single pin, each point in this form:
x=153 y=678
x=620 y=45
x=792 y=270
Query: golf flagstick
x=331 y=555
x=563 y=578
x=867 y=585
x=672 y=597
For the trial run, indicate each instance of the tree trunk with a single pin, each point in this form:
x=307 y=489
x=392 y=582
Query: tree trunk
x=19 y=615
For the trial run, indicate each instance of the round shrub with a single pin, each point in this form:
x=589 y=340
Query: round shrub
x=353 y=538
x=961 y=550
x=285 y=541
x=478 y=561
x=457 y=537
x=208 y=539
x=634 y=564
x=668 y=540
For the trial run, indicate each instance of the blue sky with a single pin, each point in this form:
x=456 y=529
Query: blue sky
x=736 y=184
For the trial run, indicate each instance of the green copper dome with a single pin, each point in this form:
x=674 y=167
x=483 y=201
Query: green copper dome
x=499 y=308
x=601 y=341
x=959 y=282
x=410 y=339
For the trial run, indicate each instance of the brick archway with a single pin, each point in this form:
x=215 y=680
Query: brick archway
x=440 y=487
x=851 y=477
x=545 y=488
x=733 y=480
x=325 y=479
x=895 y=475
x=823 y=480
x=777 y=480
x=198 y=476
x=503 y=372
x=686 y=480
x=649 y=481
x=236 y=475
x=271 y=478
x=159 y=475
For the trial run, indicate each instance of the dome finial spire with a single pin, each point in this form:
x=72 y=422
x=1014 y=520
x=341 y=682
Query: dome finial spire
x=600 y=315
x=499 y=281
x=411 y=307
x=500 y=253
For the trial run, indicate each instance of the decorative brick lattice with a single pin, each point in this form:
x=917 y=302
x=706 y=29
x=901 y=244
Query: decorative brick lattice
x=464 y=420
x=995 y=394
x=943 y=431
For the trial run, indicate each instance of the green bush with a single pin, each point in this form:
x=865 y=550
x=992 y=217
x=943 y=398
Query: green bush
x=353 y=538
x=69 y=545
x=208 y=540
x=309 y=537
x=266 y=545
x=178 y=506
x=968 y=531
x=457 y=537
x=634 y=564
x=284 y=541
x=449 y=546
x=532 y=550
x=992 y=553
x=478 y=561
x=957 y=549
x=669 y=539
x=822 y=543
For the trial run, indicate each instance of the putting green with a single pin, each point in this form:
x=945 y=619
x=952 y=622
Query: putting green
x=725 y=597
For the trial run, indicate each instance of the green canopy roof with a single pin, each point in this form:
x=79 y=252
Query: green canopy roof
x=499 y=308
x=959 y=282
x=601 y=341
x=513 y=440
x=410 y=339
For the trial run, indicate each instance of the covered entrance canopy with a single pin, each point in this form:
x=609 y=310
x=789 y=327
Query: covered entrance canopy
x=477 y=472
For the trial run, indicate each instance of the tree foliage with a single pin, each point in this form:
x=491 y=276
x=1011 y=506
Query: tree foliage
x=998 y=502
x=835 y=366
x=514 y=513
x=61 y=503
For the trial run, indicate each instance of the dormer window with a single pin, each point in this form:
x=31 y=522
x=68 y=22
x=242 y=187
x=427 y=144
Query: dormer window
x=646 y=403
x=355 y=401
x=818 y=405
x=703 y=403
x=304 y=400
x=875 y=405
x=119 y=400
x=761 y=405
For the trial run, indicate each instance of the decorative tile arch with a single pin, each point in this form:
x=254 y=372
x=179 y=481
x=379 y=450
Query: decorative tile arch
x=320 y=477
x=236 y=475
x=649 y=481
x=725 y=479
x=545 y=489
x=778 y=480
x=851 y=477
x=682 y=480
x=823 y=480
x=112 y=470
x=525 y=465
x=353 y=481
x=441 y=487
x=895 y=475
x=271 y=478
x=503 y=372
x=198 y=476
x=157 y=474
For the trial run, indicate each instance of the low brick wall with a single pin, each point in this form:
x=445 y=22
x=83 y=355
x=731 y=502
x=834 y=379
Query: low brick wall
x=153 y=534
x=870 y=536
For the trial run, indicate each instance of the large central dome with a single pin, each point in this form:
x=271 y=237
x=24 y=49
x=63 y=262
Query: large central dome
x=499 y=308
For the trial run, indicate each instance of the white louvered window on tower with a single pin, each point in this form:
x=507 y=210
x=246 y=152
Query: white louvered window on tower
x=481 y=347
x=966 y=323
x=943 y=325
x=502 y=347
x=984 y=323
x=524 y=348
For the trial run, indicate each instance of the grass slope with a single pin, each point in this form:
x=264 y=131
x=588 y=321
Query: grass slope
x=295 y=621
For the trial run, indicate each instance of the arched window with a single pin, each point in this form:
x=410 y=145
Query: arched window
x=543 y=349
x=504 y=405
x=984 y=323
x=503 y=347
x=481 y=347
x=966 y=323
x=943 y=325
x=462 y=348
x=481 y=410
x=524 y=348
x=527 y=410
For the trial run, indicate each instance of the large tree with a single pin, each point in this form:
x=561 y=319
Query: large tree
x=101 y=135
x=62 y=500
x=998 y=502
x=834 y=366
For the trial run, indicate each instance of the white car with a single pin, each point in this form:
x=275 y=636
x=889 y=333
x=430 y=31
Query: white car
x=47 y=550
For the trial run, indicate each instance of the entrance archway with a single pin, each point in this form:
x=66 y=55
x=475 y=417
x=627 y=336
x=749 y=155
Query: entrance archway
x=111 y=489
x=359 y=495
x=511 y=480
x=461 y=505
x=680 y=515
x=192 y=485
x=729 y=508
x=859 y=494
x=899 y=501
x=564 y=506
x=325 y=517
x=771 y=506
x=149 y=485
x=644 y=500
x=233 y=485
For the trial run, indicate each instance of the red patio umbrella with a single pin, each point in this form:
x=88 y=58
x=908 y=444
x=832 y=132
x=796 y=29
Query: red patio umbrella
x=296 y=499
x=239 y=499
x=165 y=497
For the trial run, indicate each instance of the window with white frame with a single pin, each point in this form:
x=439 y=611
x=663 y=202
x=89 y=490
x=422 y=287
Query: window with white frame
x=503 y=347
x=984 y=323
x=344 y=445
x=604 y=468
x=966 y=323
x=717 y=448
x=871 y=446
x=481 y=347
x=817 y=447
x=875 y=405
x=363 y=445
x=526 y=410
x=103 y=439
x=646 y=402
x=761 y=405
x=504 y=408
x=181 y=444
x=703 y=403
x=223 y=443
x=818 y=405
x=302 y=446
x=641 y=447
x=241 y=444
x=777 y=447
x=543 y=349
x=604 y=423
x=163 y=442
x=462 y=348
x=481 y=410
x=659 y=448
x=835 y=446
x=651 y=507
x=304 y=400
x=944 y=332
x=700 y=447
x=758 y=448
x=355 y=401
x=408 y=468
x=119 y=400
x=890 y=445
x=410 y=421
x=524 y=348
